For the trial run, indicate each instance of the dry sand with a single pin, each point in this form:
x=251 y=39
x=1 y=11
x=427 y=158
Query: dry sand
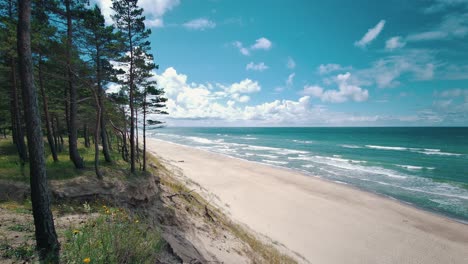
x=323 y=221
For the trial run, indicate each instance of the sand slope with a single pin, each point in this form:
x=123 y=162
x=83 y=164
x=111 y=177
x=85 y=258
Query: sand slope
x=322 y=221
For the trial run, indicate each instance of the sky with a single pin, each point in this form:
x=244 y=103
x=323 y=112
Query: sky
x=310 y=63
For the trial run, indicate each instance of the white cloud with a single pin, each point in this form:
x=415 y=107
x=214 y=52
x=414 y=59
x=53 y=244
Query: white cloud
x=345 y=92
x=291 y=64
x=441 y=5
x=385 y=72
x=206 y=104
x=261 y=43
x=256 y=67
x=371 y=34
x=242 y=49
x=245 y=86
x=428 y=35
x=452 y=26
x=290 y=80
x=154 y=10
x=331 y=67
x=394 y=43
x=313 y=90
x=199 y=24
x=157 y=22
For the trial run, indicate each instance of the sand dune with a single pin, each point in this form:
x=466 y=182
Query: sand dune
x=323 y=221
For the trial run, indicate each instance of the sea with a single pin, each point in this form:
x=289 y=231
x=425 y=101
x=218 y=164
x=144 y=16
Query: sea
x=426 y=167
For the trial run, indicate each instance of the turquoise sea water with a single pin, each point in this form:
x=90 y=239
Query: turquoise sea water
x=426 y=167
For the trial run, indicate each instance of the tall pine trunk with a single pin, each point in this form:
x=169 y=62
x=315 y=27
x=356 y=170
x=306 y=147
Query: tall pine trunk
x=17 y=124
x=72 y=92
x=100 y=95
x=45 y=105
x=46 y=237
x=96 y=136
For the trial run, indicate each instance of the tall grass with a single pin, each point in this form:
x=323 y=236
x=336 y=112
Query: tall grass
x=113 y=237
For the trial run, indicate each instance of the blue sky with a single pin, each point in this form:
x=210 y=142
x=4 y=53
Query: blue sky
x=304 y=63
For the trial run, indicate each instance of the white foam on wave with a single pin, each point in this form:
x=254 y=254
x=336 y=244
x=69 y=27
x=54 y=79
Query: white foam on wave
x=426 y=151
x=410 y=167
x=303 y=141
x=440 y=153
x=345 y=164
x=267 y=156
x=204 y=140
x=386 y=147
x=249 y=138
x=280 y=151
x=276 y=162
x=351 y=146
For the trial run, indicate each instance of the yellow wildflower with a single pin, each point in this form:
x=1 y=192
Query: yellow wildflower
x=107 y=211
x=76 y=231
x=136 y=221
x=86 y=260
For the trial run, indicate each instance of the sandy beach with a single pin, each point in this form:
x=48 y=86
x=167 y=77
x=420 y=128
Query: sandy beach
x=324 y=222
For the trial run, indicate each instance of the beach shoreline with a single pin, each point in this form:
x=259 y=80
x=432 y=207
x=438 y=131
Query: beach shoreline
x=364 y=227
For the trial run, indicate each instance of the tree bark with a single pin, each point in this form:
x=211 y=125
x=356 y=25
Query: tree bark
x=45 y=105
x=96 y=136
x=100 y=95
x=46 y=237
x=17 y=124
x=144 y=133
x=72 y=130
x=86 y=135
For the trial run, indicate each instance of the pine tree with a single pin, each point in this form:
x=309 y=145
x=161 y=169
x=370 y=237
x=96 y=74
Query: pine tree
x=129 y=20
x=46 y=236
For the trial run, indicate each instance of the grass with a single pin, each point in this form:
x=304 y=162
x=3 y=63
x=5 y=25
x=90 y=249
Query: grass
x=115 y=236
x=11 y=167
x=23 y=252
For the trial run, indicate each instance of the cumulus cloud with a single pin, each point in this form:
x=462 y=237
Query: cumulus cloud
x=260 y=44
x=245 y=86
x=345 y=92
x=394 y=43
x=199 y=24
x=371 y=34
x=256 y=67
x=154 y=10
x=290 y=64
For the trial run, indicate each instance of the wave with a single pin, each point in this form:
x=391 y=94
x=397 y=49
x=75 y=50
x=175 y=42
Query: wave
x=386 y=147
x=426 y=151
x=249 y=138
x=276 y=162
x=411 y=167
x=351 y=146
x=267 y=156
x=303 y=141
x=438 y=152
x=204 y=140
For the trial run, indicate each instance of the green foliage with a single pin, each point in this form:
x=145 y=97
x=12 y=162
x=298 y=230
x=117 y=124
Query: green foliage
x=23 y=252
x=114 y=237
x=11 y=168
x=21 y=228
